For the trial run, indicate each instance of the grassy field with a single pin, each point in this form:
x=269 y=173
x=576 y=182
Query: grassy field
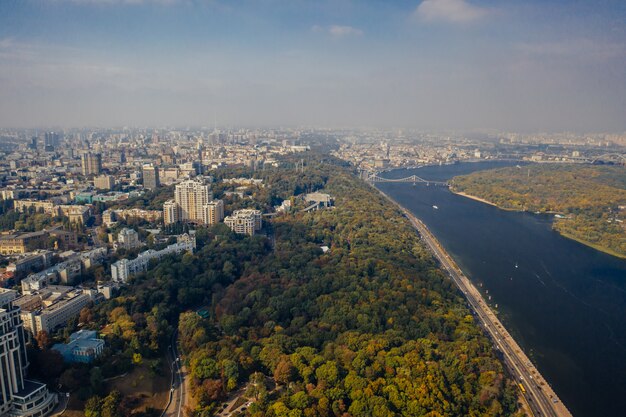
x=141 y=390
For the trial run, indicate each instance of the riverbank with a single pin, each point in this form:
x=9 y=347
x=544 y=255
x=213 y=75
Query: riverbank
x=595 y=246
x=482 y=200
x=535 y=393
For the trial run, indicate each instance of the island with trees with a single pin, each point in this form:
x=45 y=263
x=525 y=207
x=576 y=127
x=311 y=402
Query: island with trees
x=589 y=201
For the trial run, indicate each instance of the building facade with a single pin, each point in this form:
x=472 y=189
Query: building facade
x=104 y=182
x=83 y=347
x=191 y=196
x=151 y=177
x=246 y=221
x=170 y=212
x=125 y=268
x=19 y=397
x=213 y=212
x=91 y=163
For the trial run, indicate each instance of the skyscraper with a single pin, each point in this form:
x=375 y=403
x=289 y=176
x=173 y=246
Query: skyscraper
x=191 y=196
x=151 y=177
x=51 y=140
x=18 y=395
x=91 y=163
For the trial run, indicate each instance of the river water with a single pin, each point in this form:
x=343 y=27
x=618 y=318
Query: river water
x=564 y=303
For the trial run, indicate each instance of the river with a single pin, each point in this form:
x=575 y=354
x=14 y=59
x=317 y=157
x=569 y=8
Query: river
x=564 y=303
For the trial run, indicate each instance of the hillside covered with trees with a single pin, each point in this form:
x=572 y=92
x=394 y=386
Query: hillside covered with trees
x=371 y=327
x=592 y=199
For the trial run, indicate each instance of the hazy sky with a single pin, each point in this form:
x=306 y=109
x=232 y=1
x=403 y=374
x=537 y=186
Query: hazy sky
x=432 y=64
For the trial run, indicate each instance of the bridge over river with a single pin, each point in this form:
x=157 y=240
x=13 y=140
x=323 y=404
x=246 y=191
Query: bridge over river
x=414 y=179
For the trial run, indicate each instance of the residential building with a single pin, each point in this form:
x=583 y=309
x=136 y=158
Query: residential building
x=83 y=347
x=125 y=268
x=31 y=263
x=213 y=212
x=25 y=205
x=19 y=397
x=108 y=218
x=245 y=221
x=17 y=243
x=170 y=212
x=191 y=196
x=104 y=182
x=52 y=306
x=127 y=239
x=91 y=163
x=76 y=214
x=135 y=213
x=151 y=177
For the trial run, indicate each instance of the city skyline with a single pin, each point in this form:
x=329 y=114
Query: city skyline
x=434 y=64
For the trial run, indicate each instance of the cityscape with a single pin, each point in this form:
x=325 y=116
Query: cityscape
x=336 y=209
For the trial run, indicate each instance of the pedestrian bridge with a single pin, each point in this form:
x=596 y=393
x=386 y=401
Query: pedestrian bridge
x=414 y=179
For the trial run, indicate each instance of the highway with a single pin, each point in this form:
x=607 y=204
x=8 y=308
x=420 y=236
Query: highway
x=539 y=396
x=177 y=397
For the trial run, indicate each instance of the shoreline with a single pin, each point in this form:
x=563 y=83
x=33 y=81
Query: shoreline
x=482 y=200
x=590 y=244
x=565 y=235
x=507 y=345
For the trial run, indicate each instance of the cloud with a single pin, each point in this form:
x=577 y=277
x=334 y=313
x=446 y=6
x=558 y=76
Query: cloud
x=338 y=31
x=455 y=11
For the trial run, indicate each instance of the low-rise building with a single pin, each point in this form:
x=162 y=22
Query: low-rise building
x=245 y=221
x=321 y=199
x=18 y=243
x=127 y=239
x=30 y=263
x=125 y=268
x=52 y=306
x=104 y=182
x=83 y=347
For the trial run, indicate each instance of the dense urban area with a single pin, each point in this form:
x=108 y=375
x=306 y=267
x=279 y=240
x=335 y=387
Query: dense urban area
x=200 y=272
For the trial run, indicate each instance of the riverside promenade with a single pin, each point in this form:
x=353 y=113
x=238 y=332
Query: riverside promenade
x=535 y=391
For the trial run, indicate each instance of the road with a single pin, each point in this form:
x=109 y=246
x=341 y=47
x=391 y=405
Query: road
x=176 y=403
x=539 y=396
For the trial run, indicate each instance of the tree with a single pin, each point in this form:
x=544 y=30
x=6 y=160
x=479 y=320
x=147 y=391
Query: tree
x=96 y=380
x=43 y=339
x=285 y=371
x=111 y=404
x=93 y=407
x=85 y=316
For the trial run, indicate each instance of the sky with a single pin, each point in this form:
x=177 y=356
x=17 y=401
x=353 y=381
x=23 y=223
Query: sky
x=513 y=65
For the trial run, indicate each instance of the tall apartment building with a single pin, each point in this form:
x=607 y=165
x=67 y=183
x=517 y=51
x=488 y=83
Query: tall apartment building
x=170 y=212
x=151 y=177
x=91 y=163
x=19 y=397
x=213 y=212
x=191 y=196
x=244 y=221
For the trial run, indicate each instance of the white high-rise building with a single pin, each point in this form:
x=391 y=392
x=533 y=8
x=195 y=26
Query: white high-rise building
x=19 y=397
x=213 y=212
x=170 y=212
x=191 y=196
